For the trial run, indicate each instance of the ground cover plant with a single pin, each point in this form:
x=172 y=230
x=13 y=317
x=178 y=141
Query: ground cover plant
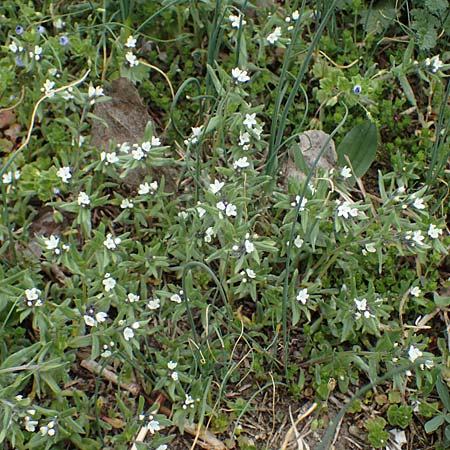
x=175 y=273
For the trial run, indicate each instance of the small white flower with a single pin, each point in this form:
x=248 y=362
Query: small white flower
x=216 y=186
x=414 y=353
x=144 y=189
x=101 y=317
x=13 y=47
x=231 y=210
x=241 y=163
x=183 y=215
x=419 y=204
x=174 y=376
x=434 y=232
x=128 y=333
x=47 y=89
x=244 y=139
x=132 y=298
x=241 y=76
x=154 y=304
x=188 y=402
x=131 y=59
x=209 y=233
x=295 y=15
x=249 y=246
x=417 y=237
x=95 y=91
x=298 y=242
x=361 y=305
x=58 y=23
x=137 y=153
x=302 y=296
x=135 y=325
x=64 y=174
x=370 y=247
x=37 y=53
x=162 y=447
x=89 y=320
x=131 y=42
x=201 y=211
x=345 y=210
x=30 y=425
x=124 y=147
x=111 y=243
x=126 y=204
x=32 y=294
x=108 y=282
x=274 y=36
x=297 y=201
x=83 y=199
x=153 y=426
x=250 y=273
x=236 y=20
x=171 y=365
x=156 y=142
x=415 y=291
x=52 y=242
x=176 y=298
x=346 y=172
x=250 y=121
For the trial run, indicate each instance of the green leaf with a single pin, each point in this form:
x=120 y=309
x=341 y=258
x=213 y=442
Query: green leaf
x=443 y=392
x=360 y=146
x=433 y=424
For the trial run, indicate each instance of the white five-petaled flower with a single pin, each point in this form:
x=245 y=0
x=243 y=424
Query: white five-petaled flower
x=176 y=298
x=52 y=243
x=418 y=203
x=414 y=353
x=415 y=236
x=416 y=291
x=250 y=273
x=95 y=91
x=249 y=246
x=241 y=163
x=111 y=243
x=131 y=42
x=244 y=139
x=153 y=425
x=94 y=320
x=298 y=241
x=216 y=186
x=434 y=232
x=295 y=15
x=209 y=233
x=138 y=153
x=302 y=296
x=8 y=176
x=128 y=333
x=47 y=88
x=109 y=158
x=32 y=297
x=126 y=204
x=296 y=202
x=171 y=365
x=64 y=174
x=241 y=76
x=189 y=401
x=236 y=21
x=346 y=172
x=345 y=210
x=131 y=59
x=363 y=309
x=435 y=63
x=132 y=298
x=229 y=208
x=274 y=36
x=250 y=121
x=83 y=199
x=108 y=282
x=154 y=304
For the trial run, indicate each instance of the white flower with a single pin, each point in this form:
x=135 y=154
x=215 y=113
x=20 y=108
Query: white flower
x=249 y=247
x=126 y=204
x=434 y=232
x=201 y=211
x=175 y=298
x=47 y=89
x=361 y=305
x=132 y=298
x=236 y=20
x=30 y=425
x=131 y=42
x=64 y=174
x=135 y=325
x=414 y=353
x=244 y=139
x=174 y=376
x=298 y=242
x=171 y=365
x=108 y=282
x=241 y=163
x=37 y=53
x=52 y=242
x=302 y=296
x=58 y=23
x=156 y=142
x=229 y=208
x=89 y=320
x=297 y=201
x=49 y=429
x=418 y=203
x=144 y=189
x=417 y=237
x=124 y=147
x=216 y=186
x=128 y=333
x=250 y=273
x=162 y=447
x=101 y=317
x=346 y=172
x=111 y=158
x=137 y=153
x=188 y=402
x=83 y=199
x=209 y=233
x=241 y=76
x=370 y=247
x=131 y=59
x=274 y=36
x=153 y=426
x=183 y=215
x=13 y=47
x=154 y=304
x=250 y=121
x=415 y=291
x=32 y=296
x=295 y=15
x=111 y=243
x=95 y=91
x=345 y=210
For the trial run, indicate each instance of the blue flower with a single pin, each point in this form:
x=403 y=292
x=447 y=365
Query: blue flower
x=19 y=30
x=40 y=29
x=357 y=89
x=19 y=62
x=64 y=41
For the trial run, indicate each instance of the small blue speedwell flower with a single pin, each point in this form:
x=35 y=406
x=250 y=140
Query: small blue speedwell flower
x=357 y=89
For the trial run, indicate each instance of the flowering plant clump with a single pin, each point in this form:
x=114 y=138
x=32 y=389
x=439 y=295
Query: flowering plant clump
x=152 y=274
